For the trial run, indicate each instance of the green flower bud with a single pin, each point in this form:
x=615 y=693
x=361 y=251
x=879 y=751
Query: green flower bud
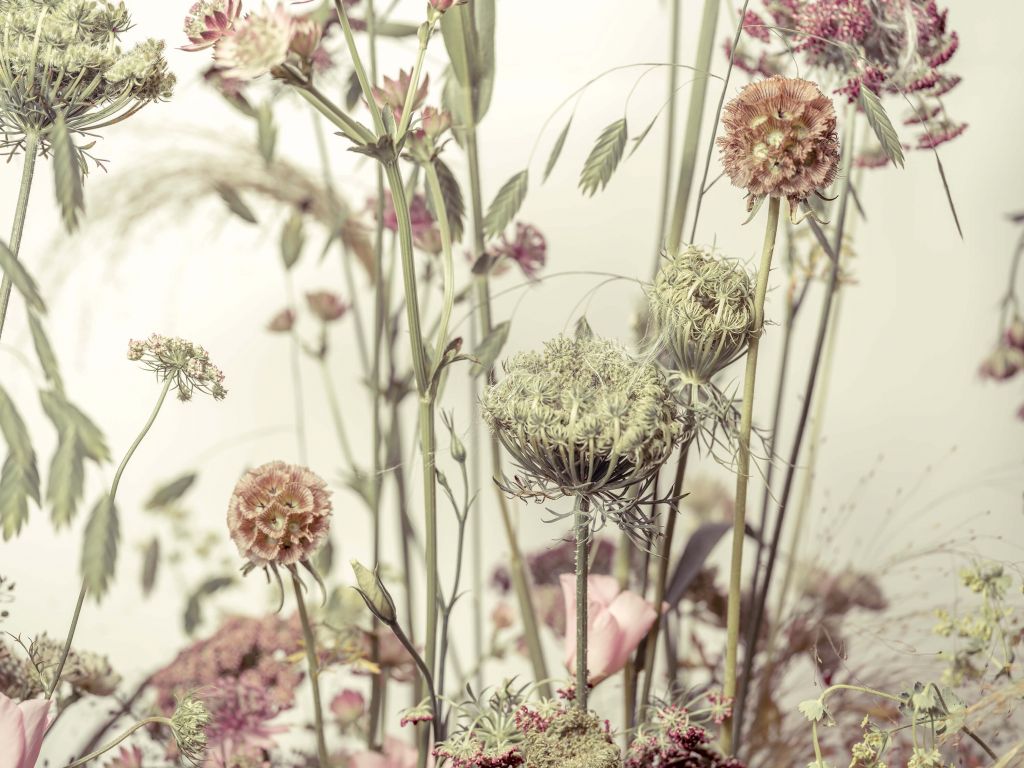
x=375 y=594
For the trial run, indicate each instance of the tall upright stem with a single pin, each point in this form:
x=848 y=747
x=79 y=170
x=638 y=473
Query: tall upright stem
x=111 y=496
x=309 y=640
x=743 y=469
x=670 y=125
x=27 y=172
x=582 y=520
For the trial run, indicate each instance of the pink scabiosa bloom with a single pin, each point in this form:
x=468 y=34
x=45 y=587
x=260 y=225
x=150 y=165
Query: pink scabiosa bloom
x=617 y=621
x=396 y=754
x=22 y=727
x=527 y=248
x=780 y=140
x=393 y=94
x=210 y=20
x=279 y=514
x=260 y=43
x=326 y=306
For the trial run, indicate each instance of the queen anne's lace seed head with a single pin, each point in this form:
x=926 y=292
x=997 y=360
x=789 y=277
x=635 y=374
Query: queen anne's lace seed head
x=582 y=418
x=188 y=723
x=780 y=140
x=186 y=364
x=63 y=57
x=279 y=514
x=702 y=306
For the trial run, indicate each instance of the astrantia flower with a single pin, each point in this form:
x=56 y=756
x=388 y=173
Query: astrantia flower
x=62 y=57
x=282 y=322
x=279 y=514
x=703 y=311
x=584 y=419
x=393 y=94
x=527 y=248
x=210 y=20
x=260 y=42
x=780 y=140
x=186 y=364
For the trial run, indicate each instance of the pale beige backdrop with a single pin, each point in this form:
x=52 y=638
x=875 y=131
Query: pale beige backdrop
x=905 y=395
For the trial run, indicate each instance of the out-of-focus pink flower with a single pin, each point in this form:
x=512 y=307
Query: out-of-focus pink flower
x=394 y=92
x=282 y=321
x=348 y=706
x=22 y=727
x=306 y=37
x=425 y=234
x=503 y=616
x=1015 y=333
x=127 y=757
x=1003 y=363
x=435 y=121
x=210 y=20
x=326 y=305
x=393 y=658
x=527 y=248
x=396 y=754
x=260 y=42
x=616 y=623
x=443 y=5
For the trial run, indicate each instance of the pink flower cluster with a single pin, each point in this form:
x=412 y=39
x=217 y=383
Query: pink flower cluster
x=674 y=741
x=425 y=234
x=1007 y=359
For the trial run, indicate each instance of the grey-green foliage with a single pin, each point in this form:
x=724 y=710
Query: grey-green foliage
x=19 y=478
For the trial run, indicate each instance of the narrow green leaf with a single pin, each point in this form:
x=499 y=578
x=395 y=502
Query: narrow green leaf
x=20 y=278
x=484 y=15
x=194 y=607
x=604 y=158
x=881 y=125
x=949 y=195
x=235 y=203
x=19 y=482
x=66 y=481
x=353 y=91
x=99 y=547
x=488 y=350
x=266 y=132
x=396 y=29
x=454 y=204
x=44 y=351
x=506 y=203
x=556 y=151
x=150 y=563
x=12 y=427
x=63 y=413
x=293 y=237
x=67 y=173
x=638 y=140
x=453 y=31
x=168 y=493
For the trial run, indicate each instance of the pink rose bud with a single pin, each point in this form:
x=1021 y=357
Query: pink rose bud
x=282 y=321
x=348 y=706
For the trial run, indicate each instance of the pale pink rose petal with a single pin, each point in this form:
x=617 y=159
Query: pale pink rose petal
x=602 y=589
x=605 y=644
x=36 y=717
x=635 y=615
x=12 y=734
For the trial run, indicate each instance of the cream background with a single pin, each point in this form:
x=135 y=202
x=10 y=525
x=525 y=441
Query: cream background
x=904 y=397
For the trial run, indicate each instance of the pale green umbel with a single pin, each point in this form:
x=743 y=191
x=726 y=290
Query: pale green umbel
x=583 y=419
x=63 y=57
x=702 y=308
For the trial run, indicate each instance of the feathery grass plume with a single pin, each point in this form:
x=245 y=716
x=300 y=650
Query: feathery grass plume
x=583 y=419
x=780 y=140
x=186 y=363
x=62 y=58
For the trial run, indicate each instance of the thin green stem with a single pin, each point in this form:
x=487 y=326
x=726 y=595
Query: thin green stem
x=670 y=124
x=427 y=443
x=743 y=469
x=111 y=497
x=336 y=417
x=428 y=676
x=21 y=209
x=437 y=199
x=357 y=64
x=309 y=640
x=106 y=748
x=417 y=71
x=582 y=525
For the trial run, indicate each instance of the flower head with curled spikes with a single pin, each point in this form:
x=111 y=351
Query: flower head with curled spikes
x=584 y=419
x=210 y=20
x=187 y=365
x=188 y=723
x=780 y=140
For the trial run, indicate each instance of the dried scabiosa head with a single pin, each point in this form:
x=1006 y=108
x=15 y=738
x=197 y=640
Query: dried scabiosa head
x=583 y=419
x=702 y=308
x=187 y=365
x=780 y=140
x=279 y=515
x=61 y=57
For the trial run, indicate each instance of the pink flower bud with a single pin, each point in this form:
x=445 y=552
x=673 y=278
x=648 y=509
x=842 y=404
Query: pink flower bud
x=1015 y=333
x=1003 y=363
x=282 y=322
x=443 y=5
x=435 y=122
x=502 y=616
x=348 y=706
x=326 y=305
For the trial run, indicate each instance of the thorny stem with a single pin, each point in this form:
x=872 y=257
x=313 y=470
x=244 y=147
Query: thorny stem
x=110 y=500
x=309 y=641
x=743 y=470
x=106 y=748
x=582 y=522
x=27 y=173
x=812 y=377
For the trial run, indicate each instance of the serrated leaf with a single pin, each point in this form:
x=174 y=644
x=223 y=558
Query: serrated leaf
x=881 y=125
x=556 y=150
x=235 y=203
x=63 y=413
x=194 y=608
x=488 y=350
x=67 y=173
x=20 y=278
x=604 y=158
x=19 y=482
x=44 y=351
x=266 y=132
x=99 y=547
x=168 y=493
x=150 y=564
x=66 y=480
x=293 y=237
x=506 y=203
x=454 y=204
